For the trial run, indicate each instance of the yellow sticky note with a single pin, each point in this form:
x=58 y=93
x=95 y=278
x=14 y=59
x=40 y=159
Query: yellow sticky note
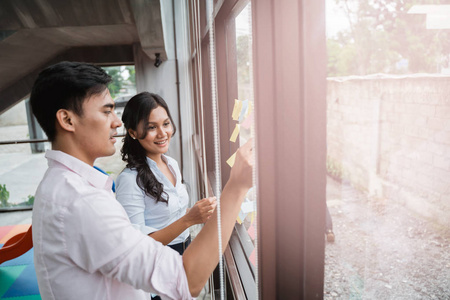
x=235 y=133
x=239 y=220
x=237 y=109
x=230 y=161
x=252 y=217
x=250 y=108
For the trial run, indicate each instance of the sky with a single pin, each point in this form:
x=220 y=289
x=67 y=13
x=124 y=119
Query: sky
x=335 y=20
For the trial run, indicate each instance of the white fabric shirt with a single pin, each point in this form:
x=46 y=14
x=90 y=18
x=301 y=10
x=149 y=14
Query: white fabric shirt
x=143 y=210
x=85 y=246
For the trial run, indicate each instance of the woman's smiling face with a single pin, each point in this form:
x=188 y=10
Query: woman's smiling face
x=159 y=132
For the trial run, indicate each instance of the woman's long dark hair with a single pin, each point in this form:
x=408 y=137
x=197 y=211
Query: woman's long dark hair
x=135 y=115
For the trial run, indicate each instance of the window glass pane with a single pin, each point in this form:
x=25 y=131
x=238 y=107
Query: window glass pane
x=23 y=161
x=388 y=150
x=245 y=120
x=122 y=88
x=23 y=164
x=243 y=25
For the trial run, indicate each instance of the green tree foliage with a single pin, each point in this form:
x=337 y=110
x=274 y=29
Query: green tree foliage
x=118 y=75
x=4 y=196
x=30 y=200
x=116 y=83
x=382 y=36
x=132 y=73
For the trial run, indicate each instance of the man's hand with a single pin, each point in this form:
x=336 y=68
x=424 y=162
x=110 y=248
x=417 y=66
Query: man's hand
x=242 y=170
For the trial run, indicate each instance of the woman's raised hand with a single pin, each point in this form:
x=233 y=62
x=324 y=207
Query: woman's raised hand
x=201 y=211
x=242 y=170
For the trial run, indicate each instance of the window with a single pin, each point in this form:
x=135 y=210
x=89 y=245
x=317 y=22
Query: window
x=238 y=34
x=23 y=163
x=388 y=161
x=235 y=94
x=23 y=144
x=289 y=62
x=289 y=79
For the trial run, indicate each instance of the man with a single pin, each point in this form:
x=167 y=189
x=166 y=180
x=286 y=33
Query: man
x=85 y=246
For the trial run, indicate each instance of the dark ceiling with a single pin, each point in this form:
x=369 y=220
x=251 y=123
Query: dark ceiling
x=37 y=33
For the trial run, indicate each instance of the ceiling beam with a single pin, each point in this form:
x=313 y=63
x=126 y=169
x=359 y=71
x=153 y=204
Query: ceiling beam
x=104 y=56
x=148 y=20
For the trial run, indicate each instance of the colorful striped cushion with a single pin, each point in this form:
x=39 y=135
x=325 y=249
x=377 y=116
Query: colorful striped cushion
x=17 y=276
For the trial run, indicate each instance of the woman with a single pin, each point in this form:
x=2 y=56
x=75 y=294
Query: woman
x=150 y=187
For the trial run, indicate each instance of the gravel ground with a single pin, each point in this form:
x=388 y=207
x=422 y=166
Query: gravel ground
x=383 y=250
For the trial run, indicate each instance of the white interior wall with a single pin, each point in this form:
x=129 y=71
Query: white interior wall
x=163 y=81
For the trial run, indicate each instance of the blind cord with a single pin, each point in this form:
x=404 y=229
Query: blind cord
x=218 y=179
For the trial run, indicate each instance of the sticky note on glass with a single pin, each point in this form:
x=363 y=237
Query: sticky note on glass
x=248 y=207
x=244 y=110
x=241 y=217
x=237 y=109
x=253 y=257
x=231 y=160
x=251 y=231
x=252 y=217
x=248 y=121
x=235 y=133
x=250 y=108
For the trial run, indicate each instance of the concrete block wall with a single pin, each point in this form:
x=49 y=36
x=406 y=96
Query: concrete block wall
x=390 y=136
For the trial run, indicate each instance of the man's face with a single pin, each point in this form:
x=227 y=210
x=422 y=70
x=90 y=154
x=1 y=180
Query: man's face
x=95 y=129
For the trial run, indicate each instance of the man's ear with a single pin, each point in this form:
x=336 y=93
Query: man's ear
x=65 y=119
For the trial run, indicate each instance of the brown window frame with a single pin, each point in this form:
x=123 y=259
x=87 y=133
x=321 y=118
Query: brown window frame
x=290 y=88
x=289 y=67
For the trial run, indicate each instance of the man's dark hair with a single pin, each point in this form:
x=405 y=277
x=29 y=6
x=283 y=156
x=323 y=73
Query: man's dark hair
x=65 y=85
